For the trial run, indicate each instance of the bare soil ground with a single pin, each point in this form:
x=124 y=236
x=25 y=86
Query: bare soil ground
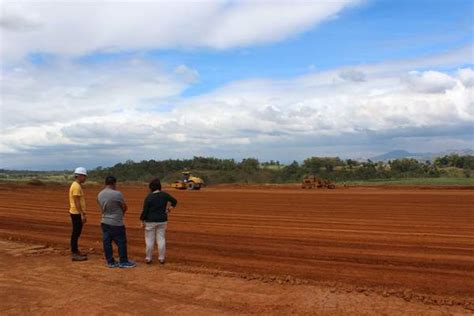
x=243 y=250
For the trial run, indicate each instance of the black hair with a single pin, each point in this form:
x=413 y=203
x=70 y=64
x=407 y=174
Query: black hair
x=110 y=180
x=155 y=184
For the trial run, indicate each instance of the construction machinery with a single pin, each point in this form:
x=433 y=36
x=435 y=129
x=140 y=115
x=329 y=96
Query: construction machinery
x=313 y=182
x=189 y=182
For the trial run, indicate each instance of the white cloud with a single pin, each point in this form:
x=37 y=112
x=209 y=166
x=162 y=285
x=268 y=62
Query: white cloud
x=249 y=22
x=15 y=22
x=135 y=108
x=352 y=75
x=63 y=92
x=452 y=58
x=82 y=27
x=189 y=75
x=466 y=75
x=320 y=104
x=429 y=81
x=123 y=108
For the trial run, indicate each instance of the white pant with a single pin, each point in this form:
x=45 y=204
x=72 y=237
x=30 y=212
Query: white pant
x=155 y=231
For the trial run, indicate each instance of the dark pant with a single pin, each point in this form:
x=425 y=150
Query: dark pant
x=76 y=231
x=116 y=234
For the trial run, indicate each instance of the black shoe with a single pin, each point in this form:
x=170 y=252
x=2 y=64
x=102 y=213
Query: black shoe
x=127 y=265
x=112 y=265
x=77 y=257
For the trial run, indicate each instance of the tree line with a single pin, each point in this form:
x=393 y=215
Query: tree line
x=251 y=170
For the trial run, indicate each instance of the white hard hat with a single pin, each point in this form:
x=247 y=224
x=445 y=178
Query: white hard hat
x=80 y=170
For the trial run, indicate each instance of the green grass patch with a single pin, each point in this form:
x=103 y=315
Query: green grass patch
x=415 y=181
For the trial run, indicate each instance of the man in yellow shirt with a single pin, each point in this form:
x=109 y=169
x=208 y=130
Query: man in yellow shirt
x=77 y=210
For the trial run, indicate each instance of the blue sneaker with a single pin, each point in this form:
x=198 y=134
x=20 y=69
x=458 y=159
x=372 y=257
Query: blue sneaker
x=114 y=264
x=128 y=264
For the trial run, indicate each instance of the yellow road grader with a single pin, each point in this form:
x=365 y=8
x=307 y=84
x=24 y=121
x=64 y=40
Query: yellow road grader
x=189 y=182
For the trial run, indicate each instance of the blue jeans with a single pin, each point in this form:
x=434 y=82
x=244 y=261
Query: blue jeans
x=116 y=234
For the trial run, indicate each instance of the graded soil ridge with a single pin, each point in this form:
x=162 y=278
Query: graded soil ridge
x=412 y=246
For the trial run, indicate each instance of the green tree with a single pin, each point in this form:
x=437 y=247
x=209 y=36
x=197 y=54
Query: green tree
x=406 y=166
x=292 y=172
x=249 y=165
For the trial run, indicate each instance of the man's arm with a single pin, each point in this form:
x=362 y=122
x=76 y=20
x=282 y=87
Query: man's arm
x=100 y=206
x=77 y=203
x=121 y=200
x=124 y=207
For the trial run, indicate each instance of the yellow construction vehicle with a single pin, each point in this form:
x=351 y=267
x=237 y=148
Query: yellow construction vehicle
x=313 y=182
x=189 y=182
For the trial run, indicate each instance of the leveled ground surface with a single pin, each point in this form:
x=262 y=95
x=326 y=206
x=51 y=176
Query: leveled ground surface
x=390 y=243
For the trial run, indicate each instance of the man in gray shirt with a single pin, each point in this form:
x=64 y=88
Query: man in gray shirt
x=113 y=207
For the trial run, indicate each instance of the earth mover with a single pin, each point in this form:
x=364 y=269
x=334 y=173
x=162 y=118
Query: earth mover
x=189 y=182
x=313 y=182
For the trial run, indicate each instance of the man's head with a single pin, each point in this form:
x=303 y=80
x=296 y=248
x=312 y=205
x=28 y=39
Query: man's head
x=155 y=185
x=110 y=181
x=80 y=174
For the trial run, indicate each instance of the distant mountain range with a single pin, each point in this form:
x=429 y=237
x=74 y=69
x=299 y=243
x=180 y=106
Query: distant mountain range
x=399 y=154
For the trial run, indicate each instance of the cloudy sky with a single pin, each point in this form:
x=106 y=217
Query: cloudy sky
x=99 y=82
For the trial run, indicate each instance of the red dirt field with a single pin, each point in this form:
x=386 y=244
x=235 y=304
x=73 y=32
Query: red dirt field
x=392 y=246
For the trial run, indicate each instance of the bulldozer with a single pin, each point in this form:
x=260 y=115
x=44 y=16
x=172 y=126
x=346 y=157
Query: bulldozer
x=313 y=182
x=189 y=182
